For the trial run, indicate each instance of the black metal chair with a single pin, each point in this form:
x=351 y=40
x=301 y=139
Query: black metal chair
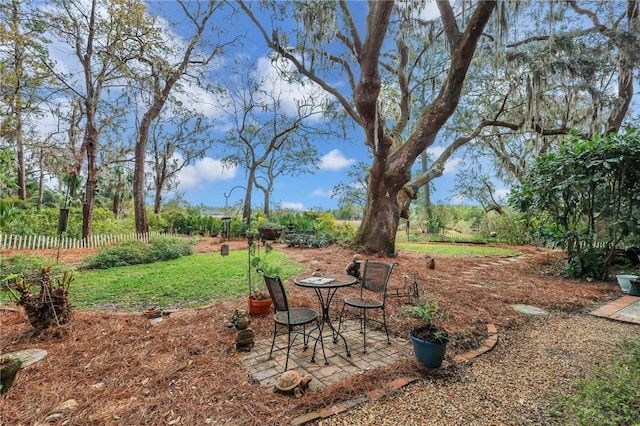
x=286 y=317
x=373 y=295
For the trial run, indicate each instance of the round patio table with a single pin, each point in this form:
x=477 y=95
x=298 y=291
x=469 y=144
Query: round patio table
x=325 y=288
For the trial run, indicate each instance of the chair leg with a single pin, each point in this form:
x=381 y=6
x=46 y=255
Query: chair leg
x=364 y=331
x=341 y=314
x=273 y=342
x=286 y=363
x=305 y=338
x=384 y=321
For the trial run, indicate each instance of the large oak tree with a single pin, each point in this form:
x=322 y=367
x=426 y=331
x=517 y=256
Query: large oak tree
x=571 y=68
x=335 y=39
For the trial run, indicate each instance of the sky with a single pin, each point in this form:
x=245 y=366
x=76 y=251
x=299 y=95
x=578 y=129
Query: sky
x=207 y=182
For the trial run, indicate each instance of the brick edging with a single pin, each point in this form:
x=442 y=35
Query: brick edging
x=372 y=395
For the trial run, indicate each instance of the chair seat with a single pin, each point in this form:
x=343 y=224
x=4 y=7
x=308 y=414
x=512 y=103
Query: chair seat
x=298 y=316
x=363 y=302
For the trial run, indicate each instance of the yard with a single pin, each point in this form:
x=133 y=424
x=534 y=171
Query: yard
x=122 y=368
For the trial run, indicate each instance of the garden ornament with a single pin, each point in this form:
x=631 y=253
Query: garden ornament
x=292 y=383
x=353 y=268
x=240 y=319
x=431 y=262
x=244 y=340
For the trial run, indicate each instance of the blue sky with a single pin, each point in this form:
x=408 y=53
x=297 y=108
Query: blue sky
x=206 y=181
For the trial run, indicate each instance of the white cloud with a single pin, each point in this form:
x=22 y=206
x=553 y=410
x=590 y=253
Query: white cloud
x=289 y=92
x=458 y=199
x=335 y=160
x=321 y=193
x=502 y=194
x=452 y=165
x=292 y=205
x=430 y=11
x=203 y=171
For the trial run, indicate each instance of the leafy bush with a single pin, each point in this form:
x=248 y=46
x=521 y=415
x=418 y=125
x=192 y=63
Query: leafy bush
x=136 y=252
x=322 y=239
x=345 y=232
x=26 y=267
x=45 y=222
x=510 y=228
x=589 y=191
x=166 y=248
x=610 y=397
x=587 y=264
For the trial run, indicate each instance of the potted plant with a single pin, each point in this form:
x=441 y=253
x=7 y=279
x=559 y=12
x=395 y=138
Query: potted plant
x=259 y=301
x=429 y=340
x=269 y=231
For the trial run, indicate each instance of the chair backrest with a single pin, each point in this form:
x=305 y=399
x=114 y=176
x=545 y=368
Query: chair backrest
x=277 y=293
x=376 y=276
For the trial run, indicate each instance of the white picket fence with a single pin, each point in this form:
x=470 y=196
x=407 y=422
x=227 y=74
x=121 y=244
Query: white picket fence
x=41 y=242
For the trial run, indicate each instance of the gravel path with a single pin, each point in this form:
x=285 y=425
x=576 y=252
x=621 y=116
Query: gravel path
x=510 y=385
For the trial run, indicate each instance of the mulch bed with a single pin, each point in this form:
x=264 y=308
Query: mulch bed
x=123 y=368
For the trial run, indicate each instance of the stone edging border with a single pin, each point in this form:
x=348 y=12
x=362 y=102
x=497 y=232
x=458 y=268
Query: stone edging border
x=465 y=358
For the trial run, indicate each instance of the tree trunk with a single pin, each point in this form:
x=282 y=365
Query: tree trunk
x=115 y=207
x=246 y=208
x=22 y=181
x=139 y=204
x=157 y=200
x=267 y=202
x=92 y=178
x=41 y=183
x=428 y=213
x=377 y=232
x=386 y=198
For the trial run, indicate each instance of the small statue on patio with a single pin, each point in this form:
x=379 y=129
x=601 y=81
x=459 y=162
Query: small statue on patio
x=244 y=340
x=292 y=383
x=431 y=262
x=353 y=268
x=240 y=319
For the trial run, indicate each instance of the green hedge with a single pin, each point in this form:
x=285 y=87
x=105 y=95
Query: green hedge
x=137 y=252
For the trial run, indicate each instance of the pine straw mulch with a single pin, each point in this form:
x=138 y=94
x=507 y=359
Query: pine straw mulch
x=122 y=368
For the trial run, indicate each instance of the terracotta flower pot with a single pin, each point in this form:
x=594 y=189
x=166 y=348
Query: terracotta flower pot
x=258 y=306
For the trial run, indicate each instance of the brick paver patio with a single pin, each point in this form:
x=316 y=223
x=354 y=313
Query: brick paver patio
x=379 y=354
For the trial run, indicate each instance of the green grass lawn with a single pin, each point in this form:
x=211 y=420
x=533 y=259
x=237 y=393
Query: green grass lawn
x=439 y=249
x=200 y=279
x=189 y=281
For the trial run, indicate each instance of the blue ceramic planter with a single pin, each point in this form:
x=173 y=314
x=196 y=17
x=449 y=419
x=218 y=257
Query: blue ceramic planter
x=430 y=354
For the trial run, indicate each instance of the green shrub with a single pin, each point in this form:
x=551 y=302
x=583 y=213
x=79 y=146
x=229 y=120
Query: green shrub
x=345 y=232
x=134 y=252
x=611 y=396
x=45 y=222
x=27 y=267
x=510 y=228
x=589 y=263
x=165 y=248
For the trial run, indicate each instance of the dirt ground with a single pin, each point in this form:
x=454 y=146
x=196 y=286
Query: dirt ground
x=121 y=368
